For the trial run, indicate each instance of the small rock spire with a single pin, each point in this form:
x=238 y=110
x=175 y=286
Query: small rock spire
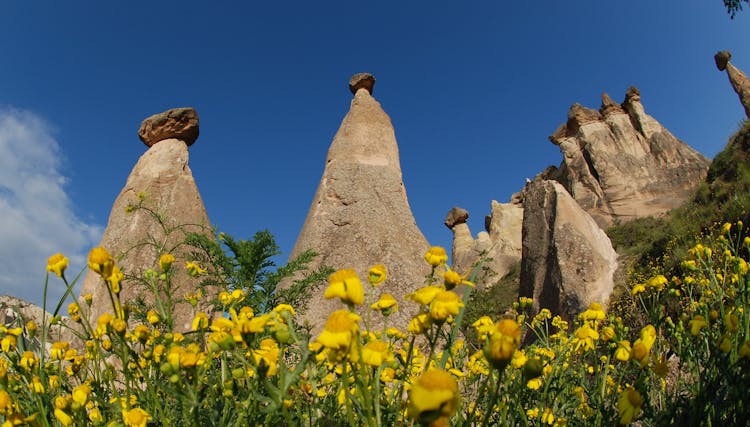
x=177 y=123
x=738 y=79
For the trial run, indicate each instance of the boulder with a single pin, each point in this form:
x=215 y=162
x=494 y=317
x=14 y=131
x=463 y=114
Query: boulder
x=164 y=180
x=620 y=164
x=568 y=261
x=739 y=81
x=177 y=123
x=360 y=215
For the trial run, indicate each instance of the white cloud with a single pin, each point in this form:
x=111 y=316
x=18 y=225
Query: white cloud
x=36 y=215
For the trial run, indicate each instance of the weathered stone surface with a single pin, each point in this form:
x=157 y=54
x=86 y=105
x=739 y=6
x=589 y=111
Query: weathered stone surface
x=177 y=123
x=360 y=215
x=362 y=81
x=163 y=174
x=621 y=164
x=567 y=261
x=738 y=79
x=500 y=243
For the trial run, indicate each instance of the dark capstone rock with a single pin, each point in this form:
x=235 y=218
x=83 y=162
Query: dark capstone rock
x=177 y=123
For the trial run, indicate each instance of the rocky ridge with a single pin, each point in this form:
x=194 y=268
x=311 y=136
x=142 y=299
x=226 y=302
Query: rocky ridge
x=620 y=163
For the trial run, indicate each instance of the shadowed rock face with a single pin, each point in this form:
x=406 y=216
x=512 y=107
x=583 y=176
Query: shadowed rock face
x=739 y=81
x=620 y=164
x=568 y=261
x=360 y=215
x=163 y=174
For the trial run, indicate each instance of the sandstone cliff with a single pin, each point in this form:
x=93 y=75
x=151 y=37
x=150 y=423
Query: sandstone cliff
x=620 y=163
x=360 y=215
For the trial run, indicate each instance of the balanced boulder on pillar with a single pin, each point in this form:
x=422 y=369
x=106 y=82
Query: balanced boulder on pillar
x=360 y=215
x=163 y=179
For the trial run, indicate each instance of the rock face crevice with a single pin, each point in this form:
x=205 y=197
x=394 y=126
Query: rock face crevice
x=567 y=261
x=620 y=164
x=360 y=215
x=163 y=175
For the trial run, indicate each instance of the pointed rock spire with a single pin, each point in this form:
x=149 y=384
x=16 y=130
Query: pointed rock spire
x=163 y=179
x=738 y=79
x=360 y=215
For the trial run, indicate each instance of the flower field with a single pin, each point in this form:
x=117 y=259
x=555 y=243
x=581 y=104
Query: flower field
x=675 y=352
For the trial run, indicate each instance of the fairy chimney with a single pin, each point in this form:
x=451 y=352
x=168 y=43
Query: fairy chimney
x=738 y=79
x=164 y=182
x=360 y=215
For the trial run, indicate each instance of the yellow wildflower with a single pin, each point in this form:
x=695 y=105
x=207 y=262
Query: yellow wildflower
x=101 y=262
x=594 y=312
x=165 y=262
x=152 y=317
x=444 y=305
x=29 y=361
x=386 y=304
x=585 y=338
x=63 y=417
x=81 y=395
x=629 y=405
x=451 y=279
x=345 y=284
x=436 y=256
x=696 y=324
x=136 y=417
x=340 y=330
x=499 y=348
x=115 y=278
x=657 y=282
x=376 y=352
x=419 y=323
x=193 y=269
x=57 y=264
x=623 y=351
x=376 y=275
x=484 y=327
x=267 y=357
x=57 y=352
x=424 y=295
x=433 y=395
x=637 y=289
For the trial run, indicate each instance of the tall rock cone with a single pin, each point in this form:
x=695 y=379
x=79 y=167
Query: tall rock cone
x=162 y=181
x=360 y=215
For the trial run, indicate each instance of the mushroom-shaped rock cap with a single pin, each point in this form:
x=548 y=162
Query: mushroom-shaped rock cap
x=362 y=81
x=178 y=123
x=456 y=216
x=722 y=59
x=633 y=94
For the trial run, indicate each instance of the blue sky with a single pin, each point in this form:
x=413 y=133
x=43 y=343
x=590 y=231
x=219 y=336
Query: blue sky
x=473 y=91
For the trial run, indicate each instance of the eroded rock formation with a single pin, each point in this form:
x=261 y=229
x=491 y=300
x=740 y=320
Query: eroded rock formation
x=500 y=243
x=620 y=164
x=568 y=261
x=163 y=176
x=360 y=215
x=738 y=79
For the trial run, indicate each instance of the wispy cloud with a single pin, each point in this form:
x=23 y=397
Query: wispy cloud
x=36 y=214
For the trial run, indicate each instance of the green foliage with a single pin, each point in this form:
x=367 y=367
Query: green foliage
x=248 y=265
x=734 y=6
x=492 y=300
